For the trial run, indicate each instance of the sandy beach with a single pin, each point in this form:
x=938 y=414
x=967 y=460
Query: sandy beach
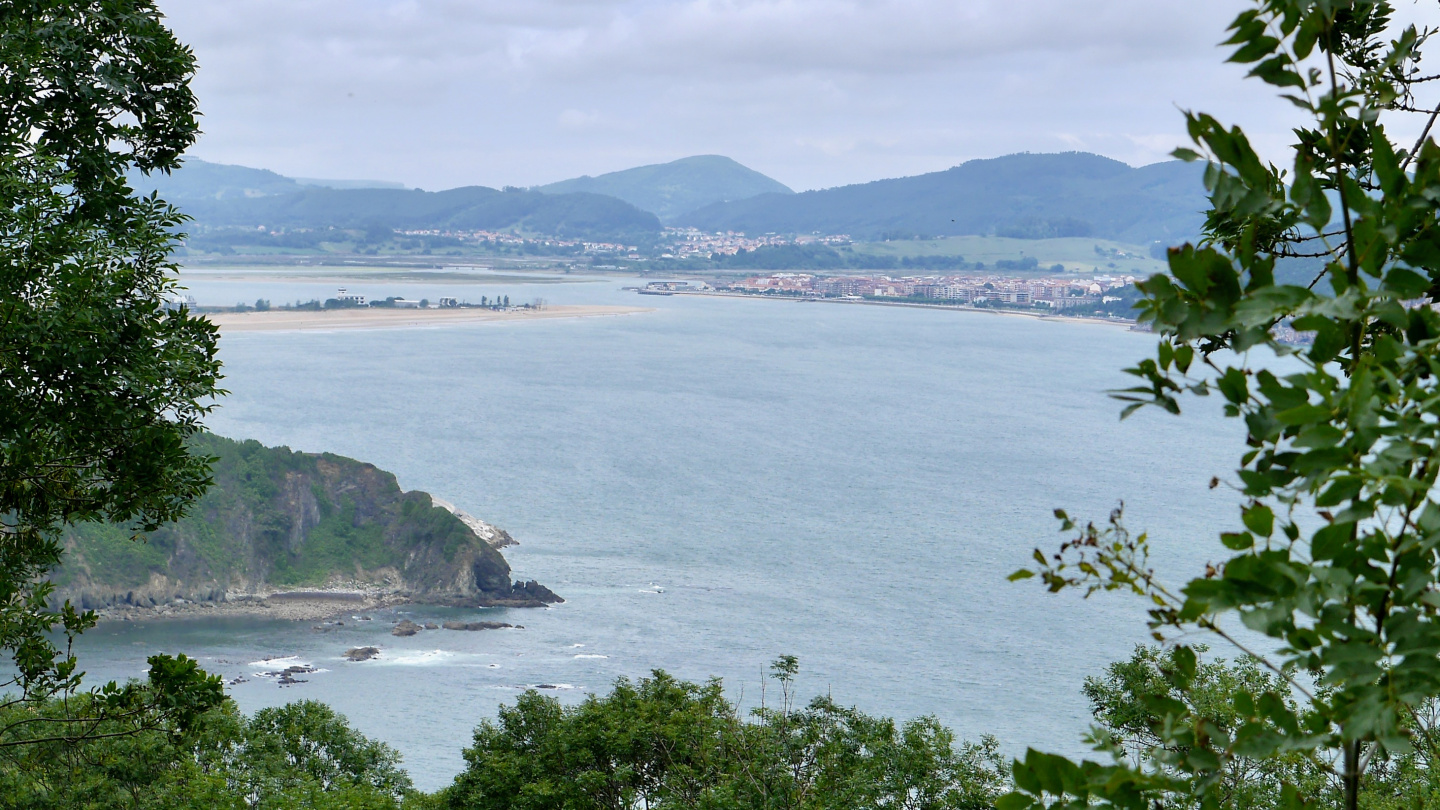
x=277 y=320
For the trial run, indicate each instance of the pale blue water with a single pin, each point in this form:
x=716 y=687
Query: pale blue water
x=847 y=484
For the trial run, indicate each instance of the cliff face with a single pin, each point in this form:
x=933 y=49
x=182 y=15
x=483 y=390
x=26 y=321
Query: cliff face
x=278 y=519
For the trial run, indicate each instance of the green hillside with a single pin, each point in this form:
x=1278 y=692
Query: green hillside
x=1027 y=196
x=1074 y=254
x=202 y=180
x=469 y=208
x=668 y=190
x=278 y=518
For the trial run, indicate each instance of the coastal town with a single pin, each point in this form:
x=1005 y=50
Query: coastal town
x=674 y=243
x=1109 y=295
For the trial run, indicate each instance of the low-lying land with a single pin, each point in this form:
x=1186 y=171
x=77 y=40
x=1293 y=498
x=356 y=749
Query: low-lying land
x=374 y=318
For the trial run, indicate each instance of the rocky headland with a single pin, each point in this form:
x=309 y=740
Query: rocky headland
x=293 y=535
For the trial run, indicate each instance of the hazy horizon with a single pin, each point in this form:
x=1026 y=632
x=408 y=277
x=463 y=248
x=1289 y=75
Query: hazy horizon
x=814 y=94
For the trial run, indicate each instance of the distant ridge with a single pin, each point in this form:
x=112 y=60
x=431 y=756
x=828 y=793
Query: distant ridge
x=1025 y=195
x=202 y=180
x=669 y=190
x=467 y=208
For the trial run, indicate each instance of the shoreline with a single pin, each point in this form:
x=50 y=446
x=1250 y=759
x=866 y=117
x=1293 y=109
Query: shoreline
x=917 y=305
x=287 y=320
x=313 y=607
x=314 y=604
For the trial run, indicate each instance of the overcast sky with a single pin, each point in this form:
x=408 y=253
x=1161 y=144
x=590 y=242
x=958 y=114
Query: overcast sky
x=815 y=93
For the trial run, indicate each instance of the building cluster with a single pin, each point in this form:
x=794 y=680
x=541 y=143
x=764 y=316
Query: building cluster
x=1054 y=293
x=506 y=238
x=692 y=243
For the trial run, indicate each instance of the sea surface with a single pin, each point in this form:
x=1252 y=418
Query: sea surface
x=712 y=485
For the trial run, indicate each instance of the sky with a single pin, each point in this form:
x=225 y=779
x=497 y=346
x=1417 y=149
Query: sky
x=815 y=93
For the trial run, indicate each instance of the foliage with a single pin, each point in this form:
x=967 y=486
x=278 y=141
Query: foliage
x=1336 y=563
x=663 y=742
x=298 y=755
x=100 y=382
x=275 y=515
x=575 y=215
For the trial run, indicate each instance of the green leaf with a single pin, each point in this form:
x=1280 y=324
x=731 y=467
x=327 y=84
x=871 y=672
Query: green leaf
x=1259 y=519
x=1330 y=541
x=1237 y=541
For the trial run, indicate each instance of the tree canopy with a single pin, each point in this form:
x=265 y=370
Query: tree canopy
x=1334 y=568
x=102 y=380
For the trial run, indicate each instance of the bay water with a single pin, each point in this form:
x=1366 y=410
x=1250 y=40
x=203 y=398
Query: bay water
x=713 y=484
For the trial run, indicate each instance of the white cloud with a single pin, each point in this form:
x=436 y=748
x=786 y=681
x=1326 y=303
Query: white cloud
x=443 y=93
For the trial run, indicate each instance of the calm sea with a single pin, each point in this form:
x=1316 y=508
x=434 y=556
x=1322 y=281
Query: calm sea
x=712 y=485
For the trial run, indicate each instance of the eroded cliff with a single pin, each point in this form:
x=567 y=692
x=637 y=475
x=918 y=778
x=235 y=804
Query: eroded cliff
x=278 y=519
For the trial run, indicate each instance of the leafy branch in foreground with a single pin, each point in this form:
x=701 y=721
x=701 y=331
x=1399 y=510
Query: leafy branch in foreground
x=1336 y=563
x=101 y=382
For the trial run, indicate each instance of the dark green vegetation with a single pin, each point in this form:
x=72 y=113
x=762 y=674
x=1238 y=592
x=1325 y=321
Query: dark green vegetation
x=281 y=518
x=229 y=203
x=1030 y=196
x=660 y=742
x=301 y=755
x=572 y=216
x=668 y=190
x=100 y=384
x=1335 y=560
x=664 y=743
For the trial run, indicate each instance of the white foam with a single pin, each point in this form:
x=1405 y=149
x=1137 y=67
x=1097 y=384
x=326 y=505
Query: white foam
x=592 y=656
x=577 y=645
x=288 y=660
x=419 y=658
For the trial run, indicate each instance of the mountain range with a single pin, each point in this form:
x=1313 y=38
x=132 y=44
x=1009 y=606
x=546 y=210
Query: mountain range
x=1025 y=195
x=1030 y=196
x=669 y=190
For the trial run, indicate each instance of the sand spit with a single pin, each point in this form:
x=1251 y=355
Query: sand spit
x=278 y=320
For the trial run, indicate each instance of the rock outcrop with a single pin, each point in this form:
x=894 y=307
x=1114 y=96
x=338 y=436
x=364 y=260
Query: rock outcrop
x=278 y=520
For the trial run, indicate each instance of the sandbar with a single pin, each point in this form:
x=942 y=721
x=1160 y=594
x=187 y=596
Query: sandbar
x=286 y=320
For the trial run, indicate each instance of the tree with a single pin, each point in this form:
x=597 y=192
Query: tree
x=297 y=755
x=666 y=743
x=100 y=383
x=1336 y=561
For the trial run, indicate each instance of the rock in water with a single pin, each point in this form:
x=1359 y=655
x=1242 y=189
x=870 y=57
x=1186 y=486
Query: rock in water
x=361 y=653
x=406 y=628
x=476 y=625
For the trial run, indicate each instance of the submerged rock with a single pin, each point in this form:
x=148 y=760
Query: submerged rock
x=478 y=625
x=361 y=653
x=405 y=628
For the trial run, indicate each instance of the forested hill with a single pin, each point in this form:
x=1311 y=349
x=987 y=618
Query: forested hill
x=669 y=190
x=1024 y=195
x=202 y=180
x=469 y=208
x=282 y=519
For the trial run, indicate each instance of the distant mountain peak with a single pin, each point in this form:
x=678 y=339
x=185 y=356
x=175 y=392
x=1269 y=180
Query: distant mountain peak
x=1028 y=194
x=672 y=189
